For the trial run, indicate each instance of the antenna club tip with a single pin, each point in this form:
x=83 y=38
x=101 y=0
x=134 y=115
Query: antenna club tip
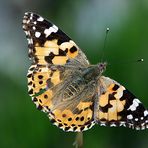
x=107 y=29
x=141 y=60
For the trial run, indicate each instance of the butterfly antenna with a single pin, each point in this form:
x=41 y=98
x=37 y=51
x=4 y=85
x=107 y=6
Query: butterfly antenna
x=127 y=62
x=140 y=60
x=105 y=40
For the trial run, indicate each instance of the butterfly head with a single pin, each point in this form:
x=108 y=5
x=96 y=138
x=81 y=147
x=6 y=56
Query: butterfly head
x=102 y=67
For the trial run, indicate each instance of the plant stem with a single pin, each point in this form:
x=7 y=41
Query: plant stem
x=78 y=143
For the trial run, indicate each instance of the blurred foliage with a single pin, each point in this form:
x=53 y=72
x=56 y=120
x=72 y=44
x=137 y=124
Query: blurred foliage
x=22 y=126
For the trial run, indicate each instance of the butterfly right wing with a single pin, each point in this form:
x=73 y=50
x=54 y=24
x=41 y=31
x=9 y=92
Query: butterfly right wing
x=119 y=107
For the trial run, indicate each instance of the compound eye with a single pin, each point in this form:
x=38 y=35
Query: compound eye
x=102 y=66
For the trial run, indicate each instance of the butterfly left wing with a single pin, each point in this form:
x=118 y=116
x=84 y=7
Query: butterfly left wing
x=48 y=45
x=119 y=107
x=55 y=57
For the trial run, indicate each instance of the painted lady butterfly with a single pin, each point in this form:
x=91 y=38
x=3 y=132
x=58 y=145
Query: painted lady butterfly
x=72 y=92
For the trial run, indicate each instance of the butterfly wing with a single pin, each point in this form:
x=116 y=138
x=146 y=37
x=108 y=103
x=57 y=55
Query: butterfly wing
x=119 y=107
x=55 y=57
x=75 y=116
x=48 y=44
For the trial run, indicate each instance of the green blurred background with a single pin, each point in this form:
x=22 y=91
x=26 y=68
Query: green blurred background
x=21 y=124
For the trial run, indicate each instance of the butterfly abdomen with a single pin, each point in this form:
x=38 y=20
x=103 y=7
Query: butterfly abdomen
x=74 y=88
x=82 y=79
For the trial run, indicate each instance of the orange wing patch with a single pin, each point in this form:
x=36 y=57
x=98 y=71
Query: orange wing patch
x=41 y=80
x=80 y=119
x=110 y=104
x=52 y=53
x=48 y=44
x=44 y=101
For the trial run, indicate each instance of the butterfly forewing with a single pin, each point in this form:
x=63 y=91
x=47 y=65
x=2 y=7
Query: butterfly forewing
x=48 y=44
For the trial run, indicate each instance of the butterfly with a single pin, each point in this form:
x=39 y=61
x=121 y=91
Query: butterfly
x=72 y=92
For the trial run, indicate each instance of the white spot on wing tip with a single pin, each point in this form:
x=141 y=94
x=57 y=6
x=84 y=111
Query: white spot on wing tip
x=50 y=30
x=129 y=117
x=55 y=27
x=24 y=21
x=37 y=34
x=34 y=28
x=40 y=19
x=142 y=118
x=26 y=13
x=137 y=100
x=136 y=119
x=145 y=113
x=135 y=104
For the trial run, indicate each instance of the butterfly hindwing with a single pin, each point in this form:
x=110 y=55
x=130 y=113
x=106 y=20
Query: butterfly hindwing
x=119 y=107
x=41 y=84
x=78 y=118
